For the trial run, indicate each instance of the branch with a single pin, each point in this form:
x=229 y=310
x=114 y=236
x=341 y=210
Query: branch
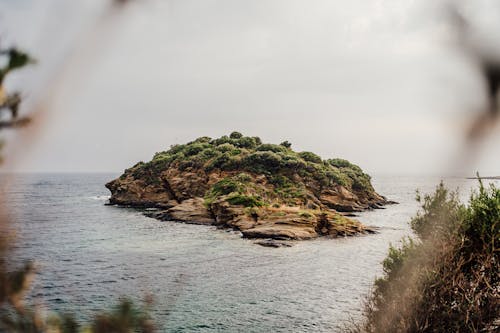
x=15 y=123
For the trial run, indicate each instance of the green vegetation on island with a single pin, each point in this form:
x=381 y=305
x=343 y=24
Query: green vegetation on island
x=278 y=163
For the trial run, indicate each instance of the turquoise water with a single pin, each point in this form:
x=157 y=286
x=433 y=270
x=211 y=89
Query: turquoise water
x=202 y=279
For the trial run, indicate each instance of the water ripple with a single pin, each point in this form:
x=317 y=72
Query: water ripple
x=203 y=279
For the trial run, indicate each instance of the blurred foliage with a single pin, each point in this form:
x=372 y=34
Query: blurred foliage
x=448 y=279
x=125 y=317
x=15 y=315
x=16 y=59
x=10 y=102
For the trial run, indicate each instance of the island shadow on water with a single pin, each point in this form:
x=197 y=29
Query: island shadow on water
x=265 y=191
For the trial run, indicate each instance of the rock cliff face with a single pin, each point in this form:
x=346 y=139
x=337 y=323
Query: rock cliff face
x=263 y=190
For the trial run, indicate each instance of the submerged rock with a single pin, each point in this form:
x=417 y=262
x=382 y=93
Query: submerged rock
x=272 y=243
x=263 y=190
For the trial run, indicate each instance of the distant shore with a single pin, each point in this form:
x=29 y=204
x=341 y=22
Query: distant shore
x=490 y=177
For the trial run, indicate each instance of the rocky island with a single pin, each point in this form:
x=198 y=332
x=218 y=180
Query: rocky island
x=263 y=190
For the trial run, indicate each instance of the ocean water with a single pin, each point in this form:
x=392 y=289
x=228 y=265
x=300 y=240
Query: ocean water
x=202 y=279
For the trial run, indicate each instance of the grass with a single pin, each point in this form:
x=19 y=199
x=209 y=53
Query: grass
x=245 y=200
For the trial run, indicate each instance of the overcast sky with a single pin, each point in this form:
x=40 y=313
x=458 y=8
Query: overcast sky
x=378 y=82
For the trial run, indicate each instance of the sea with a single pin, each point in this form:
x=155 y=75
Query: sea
x=201 y=279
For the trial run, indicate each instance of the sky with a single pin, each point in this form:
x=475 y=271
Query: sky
x=382 y=83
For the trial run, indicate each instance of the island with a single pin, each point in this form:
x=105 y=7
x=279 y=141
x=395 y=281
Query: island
x=264 y=190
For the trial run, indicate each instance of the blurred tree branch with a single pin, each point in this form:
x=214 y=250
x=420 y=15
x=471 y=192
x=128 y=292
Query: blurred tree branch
x=15 y=315
x=10 y=102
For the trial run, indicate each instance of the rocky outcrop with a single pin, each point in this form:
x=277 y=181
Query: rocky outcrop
x=264 y=191
x=282 y=223
x=171 y=190
x=279 y=223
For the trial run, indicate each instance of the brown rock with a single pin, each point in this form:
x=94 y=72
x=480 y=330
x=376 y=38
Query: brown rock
x=273 y=243
x=192 y=211
x=129 y=191
x=280 y=231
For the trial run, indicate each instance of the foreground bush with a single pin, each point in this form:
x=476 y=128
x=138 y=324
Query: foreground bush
x=448 y=279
